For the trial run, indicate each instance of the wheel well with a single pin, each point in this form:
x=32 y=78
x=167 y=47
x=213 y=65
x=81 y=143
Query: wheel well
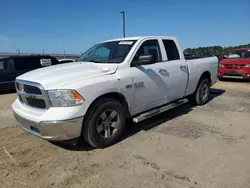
x=117 y=96
x=206 y=75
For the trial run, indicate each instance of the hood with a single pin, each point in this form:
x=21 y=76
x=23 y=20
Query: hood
x=236 y=61
x=53 y=77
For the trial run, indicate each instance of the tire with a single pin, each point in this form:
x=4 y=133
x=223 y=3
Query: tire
x=99 y=128
x=201 y=94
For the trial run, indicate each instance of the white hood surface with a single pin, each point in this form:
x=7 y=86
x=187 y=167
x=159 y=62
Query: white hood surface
x=53 y=77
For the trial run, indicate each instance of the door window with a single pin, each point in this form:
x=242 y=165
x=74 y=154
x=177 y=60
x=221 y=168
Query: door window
x=149 y=47
x=2 y=67
x=28 y=63
x=171 y=50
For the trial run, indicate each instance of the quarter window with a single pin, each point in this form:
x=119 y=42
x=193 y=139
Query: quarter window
x=171 y=50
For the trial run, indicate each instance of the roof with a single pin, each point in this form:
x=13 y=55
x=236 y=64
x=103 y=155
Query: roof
x=25 y=56
x=138 y=38
x=236 y=49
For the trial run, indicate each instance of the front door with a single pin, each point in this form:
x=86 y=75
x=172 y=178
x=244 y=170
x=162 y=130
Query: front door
x=150 y=82
x=162 y=82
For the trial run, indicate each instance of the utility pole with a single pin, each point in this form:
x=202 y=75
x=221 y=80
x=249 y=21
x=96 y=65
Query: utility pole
x=18 y=51
x=123 y=22
x=64 y=53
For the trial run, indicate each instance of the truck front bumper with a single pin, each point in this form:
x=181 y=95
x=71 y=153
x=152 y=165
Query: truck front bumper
x=52 y=130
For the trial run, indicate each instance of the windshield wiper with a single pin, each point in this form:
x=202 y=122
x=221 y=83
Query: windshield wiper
x=95 y=61
x=109 y=61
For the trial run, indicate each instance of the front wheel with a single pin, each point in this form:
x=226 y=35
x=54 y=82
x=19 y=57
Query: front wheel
x=105 y=123
x=201 y=94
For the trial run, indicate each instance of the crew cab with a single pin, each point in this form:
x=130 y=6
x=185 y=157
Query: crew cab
x=128 y=78
x=235 y=65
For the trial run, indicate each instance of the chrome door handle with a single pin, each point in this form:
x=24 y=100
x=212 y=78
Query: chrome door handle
x=184 y=68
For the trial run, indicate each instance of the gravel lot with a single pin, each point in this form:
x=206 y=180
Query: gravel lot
x=187 y=147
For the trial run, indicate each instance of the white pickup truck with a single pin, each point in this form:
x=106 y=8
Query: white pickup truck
x=136 y=78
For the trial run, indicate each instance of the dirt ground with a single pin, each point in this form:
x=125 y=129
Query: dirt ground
x=187 y=147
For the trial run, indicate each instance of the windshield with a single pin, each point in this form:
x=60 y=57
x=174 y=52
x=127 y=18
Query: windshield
x=108 y=52
x=239 y=54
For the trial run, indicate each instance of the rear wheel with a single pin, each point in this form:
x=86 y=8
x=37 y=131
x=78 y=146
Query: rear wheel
x=104 y=123
x=201 y=94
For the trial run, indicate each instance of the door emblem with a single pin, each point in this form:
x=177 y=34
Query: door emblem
x=139 y=85
x=136 y=85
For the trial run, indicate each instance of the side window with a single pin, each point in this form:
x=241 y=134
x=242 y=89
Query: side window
x=171 y=50
x=20 y=64
x=36 y=62
x=2 y=67
x=27 y=63
x=149 y=47
x=247 y=55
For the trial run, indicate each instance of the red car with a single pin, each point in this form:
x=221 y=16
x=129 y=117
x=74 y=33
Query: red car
x=235 y=65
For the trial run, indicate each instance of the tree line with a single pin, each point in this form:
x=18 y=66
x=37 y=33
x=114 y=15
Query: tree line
x=214 y=50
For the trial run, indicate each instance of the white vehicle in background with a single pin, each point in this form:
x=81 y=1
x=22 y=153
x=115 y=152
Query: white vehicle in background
x=66 y=60
x=135 y=78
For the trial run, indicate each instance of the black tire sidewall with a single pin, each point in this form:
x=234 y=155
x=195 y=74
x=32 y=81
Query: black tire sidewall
x=198 y=92
x=90 y=130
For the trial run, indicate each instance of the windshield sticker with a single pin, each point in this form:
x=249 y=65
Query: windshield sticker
x=45 y=62
x=126 y=42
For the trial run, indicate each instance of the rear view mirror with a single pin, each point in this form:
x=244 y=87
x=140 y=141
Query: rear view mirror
x=144 y=60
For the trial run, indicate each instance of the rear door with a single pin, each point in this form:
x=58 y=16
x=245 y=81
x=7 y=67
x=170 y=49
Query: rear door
x=177 y=69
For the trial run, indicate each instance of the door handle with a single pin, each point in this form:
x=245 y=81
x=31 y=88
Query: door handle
x=184 y=68
x=162 y=70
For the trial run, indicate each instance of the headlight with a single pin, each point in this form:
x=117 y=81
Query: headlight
x=221 y=66
x=60 y=98
x=247 y=66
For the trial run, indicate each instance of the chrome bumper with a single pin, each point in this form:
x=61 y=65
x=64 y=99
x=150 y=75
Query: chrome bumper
x=52 y=130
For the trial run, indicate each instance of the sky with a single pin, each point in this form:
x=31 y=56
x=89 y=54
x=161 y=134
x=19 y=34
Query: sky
x=74 y=26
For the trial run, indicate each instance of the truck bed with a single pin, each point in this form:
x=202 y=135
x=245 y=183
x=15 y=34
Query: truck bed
x=197 y=66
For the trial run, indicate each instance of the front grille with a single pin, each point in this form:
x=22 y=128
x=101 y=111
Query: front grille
x=32 y=94
x=234 y=66
x=38 y=103
x=31 y=89
x=231 y=73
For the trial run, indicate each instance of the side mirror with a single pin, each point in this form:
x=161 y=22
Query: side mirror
x=144 y=60
x=224 y=57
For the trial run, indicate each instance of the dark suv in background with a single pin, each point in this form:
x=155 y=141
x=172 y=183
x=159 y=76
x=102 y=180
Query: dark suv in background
x=11 y=67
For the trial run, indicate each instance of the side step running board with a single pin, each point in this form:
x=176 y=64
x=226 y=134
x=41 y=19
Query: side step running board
x=154 y=112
